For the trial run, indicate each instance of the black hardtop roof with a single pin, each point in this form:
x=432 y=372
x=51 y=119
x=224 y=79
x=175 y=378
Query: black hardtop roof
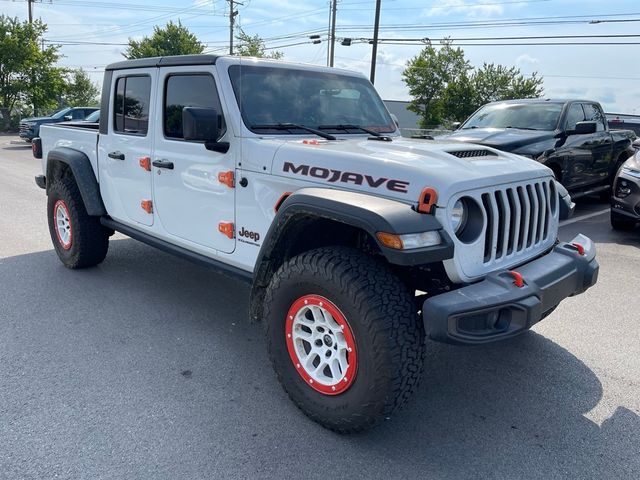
x=170 y=61
x=544 y=100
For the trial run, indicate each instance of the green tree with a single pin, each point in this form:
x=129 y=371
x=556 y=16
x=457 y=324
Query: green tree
x=173 y=39
x=80 y=91
x=458 y=100
x=445 y=88
x=428 y=75
x=496 y=82
x=253 y=46
x=27 y=68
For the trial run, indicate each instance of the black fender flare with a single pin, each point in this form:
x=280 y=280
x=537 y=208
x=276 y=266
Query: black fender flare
x=367 y=212
x=363 y=211
x=80 y=166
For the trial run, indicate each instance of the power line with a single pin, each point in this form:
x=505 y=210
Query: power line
x=456 y=6
x=394 y=64
x=120 y=6
x=128 y=30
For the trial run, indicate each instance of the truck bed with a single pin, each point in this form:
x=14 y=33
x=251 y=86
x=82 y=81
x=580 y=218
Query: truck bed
x=82 y=136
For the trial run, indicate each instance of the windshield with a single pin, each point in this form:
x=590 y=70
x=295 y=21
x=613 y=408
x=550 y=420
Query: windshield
x=94 y=117
x=528 y=116
x=270 y=96
x=61 y=113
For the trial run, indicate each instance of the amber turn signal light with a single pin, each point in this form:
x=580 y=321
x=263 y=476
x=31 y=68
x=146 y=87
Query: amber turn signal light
x=390 y=240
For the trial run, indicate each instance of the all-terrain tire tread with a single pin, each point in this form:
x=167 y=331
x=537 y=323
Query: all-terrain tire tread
x=388 y=312
x=91 y=239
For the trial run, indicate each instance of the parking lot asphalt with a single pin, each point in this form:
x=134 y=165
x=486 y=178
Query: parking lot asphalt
x=147 y=367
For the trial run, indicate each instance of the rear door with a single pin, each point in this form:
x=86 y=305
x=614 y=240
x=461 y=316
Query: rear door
x=191 y=201
x=601 y=143
x=124 y=182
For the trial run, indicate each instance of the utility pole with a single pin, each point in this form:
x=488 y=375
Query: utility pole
x=329 y=34
x=374 y=53
x=30 y=2
x=332 y=43
x=232 y=23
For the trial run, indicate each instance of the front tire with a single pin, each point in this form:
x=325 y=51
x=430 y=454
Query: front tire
x=78 y=238
x=621 y=223
x=344 y=337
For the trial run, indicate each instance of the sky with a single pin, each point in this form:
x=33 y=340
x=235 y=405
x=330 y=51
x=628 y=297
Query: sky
x=606 y=73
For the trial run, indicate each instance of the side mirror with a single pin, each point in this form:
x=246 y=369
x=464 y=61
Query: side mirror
x=455 y=125
x=200 y=124
x=68 y=117
x=567 y=207
x=584 y=128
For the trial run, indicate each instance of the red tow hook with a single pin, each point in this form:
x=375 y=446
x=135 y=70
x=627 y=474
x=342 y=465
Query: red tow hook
x=517 y=277
x=579 y=248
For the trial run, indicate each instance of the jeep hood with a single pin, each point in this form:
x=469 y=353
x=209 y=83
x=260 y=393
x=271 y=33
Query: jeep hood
x=507 y=139
x=402 y=168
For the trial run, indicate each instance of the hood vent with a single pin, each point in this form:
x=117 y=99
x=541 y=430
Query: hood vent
x=473 y=153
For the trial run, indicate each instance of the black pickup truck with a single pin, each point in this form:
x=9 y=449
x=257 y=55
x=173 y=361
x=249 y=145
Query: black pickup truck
x=569 y=136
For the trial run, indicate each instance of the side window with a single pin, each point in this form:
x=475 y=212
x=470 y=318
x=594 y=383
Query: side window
x=594 y=114
x=197 y=90
x=77 y=114
x=131 y=105
x=575 y=115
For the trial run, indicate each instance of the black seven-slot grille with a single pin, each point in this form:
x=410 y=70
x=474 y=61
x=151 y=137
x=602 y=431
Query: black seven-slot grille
x=472 y=153
x=518 y=218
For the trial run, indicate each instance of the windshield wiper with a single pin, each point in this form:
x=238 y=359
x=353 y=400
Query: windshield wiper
x=374 y=135
x=350 y=127
x=522 y=128
x=292 y=126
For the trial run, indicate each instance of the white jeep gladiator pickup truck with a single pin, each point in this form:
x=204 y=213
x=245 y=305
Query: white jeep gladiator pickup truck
x=358 y=243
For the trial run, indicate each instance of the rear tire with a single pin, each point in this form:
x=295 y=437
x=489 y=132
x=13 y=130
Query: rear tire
x=605 y=195
x=379 y=322
x=621 y=223
x=78 y=238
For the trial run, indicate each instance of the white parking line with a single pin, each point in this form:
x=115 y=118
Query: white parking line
x=564 y=223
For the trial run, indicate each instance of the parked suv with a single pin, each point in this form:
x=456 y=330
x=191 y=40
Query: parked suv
x=625 y=202
x=30 y=127
x=357 y=243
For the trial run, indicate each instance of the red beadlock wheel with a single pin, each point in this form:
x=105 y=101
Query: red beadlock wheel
x=62 y=219
x=321 y=344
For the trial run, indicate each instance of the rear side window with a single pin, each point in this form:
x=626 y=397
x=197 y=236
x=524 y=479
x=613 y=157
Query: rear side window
x=197 y=90
x=575 y=115
x=131 y=105
x=594 y=114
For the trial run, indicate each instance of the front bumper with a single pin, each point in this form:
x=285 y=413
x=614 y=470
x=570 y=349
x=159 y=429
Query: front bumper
x=495 y=308
x=628 y=206
x=27 y=133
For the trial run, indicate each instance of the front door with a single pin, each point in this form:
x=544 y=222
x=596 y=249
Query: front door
x=193 y=192
x=125 y=186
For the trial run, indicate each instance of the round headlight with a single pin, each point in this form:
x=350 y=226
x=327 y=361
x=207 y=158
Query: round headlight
x=458 y=216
